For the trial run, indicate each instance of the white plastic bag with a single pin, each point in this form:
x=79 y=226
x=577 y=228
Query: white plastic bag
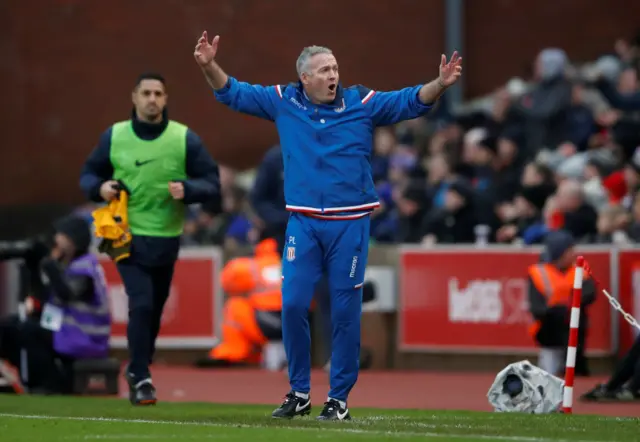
x=523 y=387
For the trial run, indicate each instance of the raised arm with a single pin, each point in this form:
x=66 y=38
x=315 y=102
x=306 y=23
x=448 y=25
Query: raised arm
x=259 y=101
x=406 y=104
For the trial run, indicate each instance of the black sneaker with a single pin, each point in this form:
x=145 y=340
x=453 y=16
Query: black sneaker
x=602 y=394
x=333 y=411
x=599 y=393
x=144 y=394
x=292 y=406
x=140 y=393
x=626 y=395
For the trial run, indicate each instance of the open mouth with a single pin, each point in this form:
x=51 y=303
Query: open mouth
x=332 y=87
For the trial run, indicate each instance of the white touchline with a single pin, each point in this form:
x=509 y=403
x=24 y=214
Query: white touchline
x=308 y=429
x=145 y=437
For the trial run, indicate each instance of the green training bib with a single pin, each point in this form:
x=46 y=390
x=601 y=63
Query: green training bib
x=146 y=167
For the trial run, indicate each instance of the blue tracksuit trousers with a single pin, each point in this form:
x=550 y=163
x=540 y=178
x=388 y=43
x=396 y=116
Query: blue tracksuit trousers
x=339 y=247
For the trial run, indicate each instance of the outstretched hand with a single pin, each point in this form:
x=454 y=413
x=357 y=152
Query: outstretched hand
x=205 y=52
x=451 y=71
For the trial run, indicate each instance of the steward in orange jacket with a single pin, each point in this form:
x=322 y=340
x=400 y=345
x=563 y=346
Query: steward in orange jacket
x=252 y=311
x=550 y=292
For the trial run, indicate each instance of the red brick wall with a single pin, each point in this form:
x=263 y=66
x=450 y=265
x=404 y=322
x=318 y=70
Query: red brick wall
x=67 y=66
x=504 y=36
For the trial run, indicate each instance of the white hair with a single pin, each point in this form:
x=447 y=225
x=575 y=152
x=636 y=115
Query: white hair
x=475 y=135
x=302 y=64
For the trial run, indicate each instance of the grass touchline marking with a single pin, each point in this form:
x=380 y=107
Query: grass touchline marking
x=312 y=429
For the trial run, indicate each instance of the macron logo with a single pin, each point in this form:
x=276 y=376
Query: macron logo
x=298 y=104
x=354 y=263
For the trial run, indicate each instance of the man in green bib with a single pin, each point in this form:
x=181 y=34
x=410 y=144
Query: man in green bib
x=164 y=166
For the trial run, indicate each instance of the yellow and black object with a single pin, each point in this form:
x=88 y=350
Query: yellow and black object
x=112 y=225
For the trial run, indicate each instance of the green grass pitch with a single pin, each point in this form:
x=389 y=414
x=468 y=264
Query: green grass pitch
x=53 y=419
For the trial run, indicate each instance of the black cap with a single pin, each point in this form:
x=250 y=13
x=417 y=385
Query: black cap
x=77 y=230
x=556 y=243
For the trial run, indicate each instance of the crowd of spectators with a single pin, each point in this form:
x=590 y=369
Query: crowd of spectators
x=235 y=227
x=558 y=149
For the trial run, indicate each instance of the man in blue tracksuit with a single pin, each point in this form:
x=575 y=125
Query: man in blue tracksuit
x=326 y=135
x=267 y=199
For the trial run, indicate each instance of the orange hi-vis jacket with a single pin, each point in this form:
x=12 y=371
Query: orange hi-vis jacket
x=252 y=284
x=259 y=277
x=554 y=284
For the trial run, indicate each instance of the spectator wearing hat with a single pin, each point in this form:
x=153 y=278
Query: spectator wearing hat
x=544 y=109
x=68 y=312
x=550 y=290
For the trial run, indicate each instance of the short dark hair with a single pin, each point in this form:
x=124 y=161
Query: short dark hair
x=150 y=76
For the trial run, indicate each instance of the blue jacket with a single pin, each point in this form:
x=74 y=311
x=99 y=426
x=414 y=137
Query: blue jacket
x=326 y=149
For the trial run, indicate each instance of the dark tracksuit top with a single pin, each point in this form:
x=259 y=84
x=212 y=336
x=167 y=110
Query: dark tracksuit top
x=267 y=196
x=203 y=186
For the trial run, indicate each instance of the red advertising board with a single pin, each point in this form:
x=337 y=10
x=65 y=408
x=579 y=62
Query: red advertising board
x=628 y=293
x=193 y=313
x=475 y=300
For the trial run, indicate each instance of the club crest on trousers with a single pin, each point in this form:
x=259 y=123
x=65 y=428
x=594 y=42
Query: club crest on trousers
x=291 y=253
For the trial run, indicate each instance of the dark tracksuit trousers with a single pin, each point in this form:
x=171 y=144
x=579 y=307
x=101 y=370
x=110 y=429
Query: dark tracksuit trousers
x=147 y=277
x=554 y=333
x=627 y=370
